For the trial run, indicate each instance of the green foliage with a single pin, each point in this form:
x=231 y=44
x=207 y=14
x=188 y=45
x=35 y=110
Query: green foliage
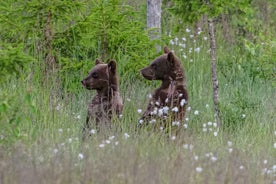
x=12 y=60
x=192 y=11
x=15 y=115
x=260 y=59
x=108 y=30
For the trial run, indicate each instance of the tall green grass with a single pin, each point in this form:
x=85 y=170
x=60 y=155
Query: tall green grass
x=41 y=139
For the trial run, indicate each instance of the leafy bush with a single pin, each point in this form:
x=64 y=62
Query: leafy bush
x=262 y=59
x=12 y=60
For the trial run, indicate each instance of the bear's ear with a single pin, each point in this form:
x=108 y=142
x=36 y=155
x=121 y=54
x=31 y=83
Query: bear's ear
x=166 y=50
x=112 y=66
x=97 y=61
x=171 y=59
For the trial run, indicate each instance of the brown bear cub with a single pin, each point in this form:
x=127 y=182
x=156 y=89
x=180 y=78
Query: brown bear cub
x=169 y=101
x=107 y=102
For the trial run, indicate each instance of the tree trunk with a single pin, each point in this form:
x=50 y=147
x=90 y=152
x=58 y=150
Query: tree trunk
x=214 y=69
x=49 y=58
x=154 y=19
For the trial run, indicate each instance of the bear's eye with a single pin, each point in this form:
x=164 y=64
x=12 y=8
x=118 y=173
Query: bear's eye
x=153 y=66
x=94 y=75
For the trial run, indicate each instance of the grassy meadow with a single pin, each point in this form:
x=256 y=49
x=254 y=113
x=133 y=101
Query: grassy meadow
x=41 y=139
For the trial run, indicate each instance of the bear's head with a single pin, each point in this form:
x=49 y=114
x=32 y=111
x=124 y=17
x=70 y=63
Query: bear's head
x=163 y=67
x=102 y=76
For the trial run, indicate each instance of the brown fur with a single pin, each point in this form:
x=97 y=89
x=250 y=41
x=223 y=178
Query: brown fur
x=107 y=102
x=172 y=92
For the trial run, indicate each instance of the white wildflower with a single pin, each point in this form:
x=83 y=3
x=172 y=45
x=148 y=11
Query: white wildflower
x=229 y=143
x=171 y=42
x=58 y=107
x=116 y=143
x=154 y=112
x=197 y=49
x=126 y=135
x=102 y=145
x=183 y=45
x=241 y=167
x=184 y=39
x=161 y=128
x=182 y=102
x=111 y=137
x=213 y=158
x=215 y=134
x=152 y=121
x=107 y=141
x=191 y=36
x=55 y=151
x=120 y=116
x=70 y=140
x=185 y=126
x=187 y=30
x=199 y=169
x=141 y=121
x=160 y=112
x=139 y=111
x=78 y=117
x=204 y=129
x=60 y=130
x=184 y=56
x=157 y=103
x=92 y=131
x=210 y=123
x=167 y=100
x=205 y=38
x=230 y=150
x=189 y=108
x=195 y=157
x=173 y=138
x=80 y=156
x=274 y=145
x=196 y=112
x=175 y=109
x=215 y=124
x=243 y=115
x=128 y=99
x=150 y=96
x=186 y=146
x=175 y=123
x=186 y=119
x=265 y=162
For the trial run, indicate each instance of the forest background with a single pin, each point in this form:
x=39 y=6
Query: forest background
x=48 y=47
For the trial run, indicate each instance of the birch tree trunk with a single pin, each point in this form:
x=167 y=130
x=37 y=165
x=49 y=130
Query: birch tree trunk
x=214 y=69
x=154 y=19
